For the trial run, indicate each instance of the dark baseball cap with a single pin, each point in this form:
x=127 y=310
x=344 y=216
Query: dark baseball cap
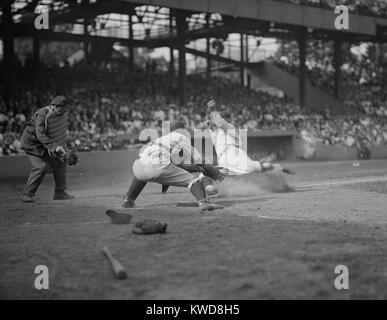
x=59 y=100
x=177 y=124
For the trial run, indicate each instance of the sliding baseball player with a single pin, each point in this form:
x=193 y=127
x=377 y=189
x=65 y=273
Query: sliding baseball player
x=229 y=153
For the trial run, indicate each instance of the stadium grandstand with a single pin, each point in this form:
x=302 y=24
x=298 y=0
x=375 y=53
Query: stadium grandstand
x=280 y=68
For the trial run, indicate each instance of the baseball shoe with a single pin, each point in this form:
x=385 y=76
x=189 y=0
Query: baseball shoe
x=208 y=206
x=62 y=195
x=288 y=171
x=26 y=198
x=128 y=203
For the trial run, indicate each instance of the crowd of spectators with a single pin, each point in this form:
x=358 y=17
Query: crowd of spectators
x=363 y=73
x=319 y=62
x=110 y=106
x=366 y=7
x=349 y=131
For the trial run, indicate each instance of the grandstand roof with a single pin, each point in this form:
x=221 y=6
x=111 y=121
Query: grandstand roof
x=268 y=18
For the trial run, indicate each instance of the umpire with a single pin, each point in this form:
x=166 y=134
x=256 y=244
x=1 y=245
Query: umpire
x=43 y=138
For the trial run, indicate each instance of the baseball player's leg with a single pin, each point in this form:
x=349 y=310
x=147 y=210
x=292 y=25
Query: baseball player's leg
x=134 y=191
x=39 y=167
x=237 y=162
x=171 y=175
x=207 y=181
x=145 y=172
x=60 y=169
x=189 y=168
x=59 y=172
x=142 y=174
x=267 y=166
x=245 y=164
x=178 y=177
x=259 y=166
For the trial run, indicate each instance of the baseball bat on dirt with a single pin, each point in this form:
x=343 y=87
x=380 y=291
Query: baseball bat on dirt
x=118 y=269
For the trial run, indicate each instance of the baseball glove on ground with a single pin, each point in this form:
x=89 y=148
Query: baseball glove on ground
x=69 y=157
x=149 y=226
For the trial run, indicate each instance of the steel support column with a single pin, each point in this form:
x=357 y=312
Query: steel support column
x=130 y=46
x=208 y=46
x=181 y=25
x=85 y=32
x=8 y=52
x=171 y=52
x=337 y=43
x=242 y=71
x=36 y=50
x=302 y=69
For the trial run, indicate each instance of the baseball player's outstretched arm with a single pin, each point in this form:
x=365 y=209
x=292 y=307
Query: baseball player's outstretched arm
x=216 y=118
x=211 y=105
x=219 y=121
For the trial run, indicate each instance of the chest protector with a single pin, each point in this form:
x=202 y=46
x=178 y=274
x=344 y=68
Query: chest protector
x=57 y=127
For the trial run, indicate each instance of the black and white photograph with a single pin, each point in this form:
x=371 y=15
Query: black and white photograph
x=205 y=151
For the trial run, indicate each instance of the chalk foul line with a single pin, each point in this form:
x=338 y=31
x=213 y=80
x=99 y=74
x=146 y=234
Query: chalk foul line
x=342 y=182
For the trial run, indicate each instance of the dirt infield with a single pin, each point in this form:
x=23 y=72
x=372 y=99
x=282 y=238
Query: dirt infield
x=268 y=242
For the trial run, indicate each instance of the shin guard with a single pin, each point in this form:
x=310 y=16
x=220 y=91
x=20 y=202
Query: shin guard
x=198 y=191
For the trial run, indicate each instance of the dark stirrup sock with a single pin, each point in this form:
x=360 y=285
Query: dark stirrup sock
x=135 y=189
x=164 y=188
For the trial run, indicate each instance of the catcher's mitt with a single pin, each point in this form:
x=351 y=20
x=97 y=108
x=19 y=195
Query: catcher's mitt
x=212 y=172
x=69 y=157
x=149 y=226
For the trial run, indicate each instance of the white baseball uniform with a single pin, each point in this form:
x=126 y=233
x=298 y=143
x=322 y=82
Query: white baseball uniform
x=158 y=162
x=230 y=156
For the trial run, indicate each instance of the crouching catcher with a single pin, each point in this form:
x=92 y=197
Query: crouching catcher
x=155 y=164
